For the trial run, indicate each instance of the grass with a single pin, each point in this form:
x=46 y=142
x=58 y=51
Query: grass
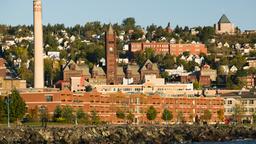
x=39 y=124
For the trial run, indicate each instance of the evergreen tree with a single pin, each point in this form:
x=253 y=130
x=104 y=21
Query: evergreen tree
x=95 y=119
x=57 y=112
x=120 y=114
x=207 y=115
x=82 y=117
x=16 y=104
x=130 y=117
x=167 y=115
x=67 y=114
x=151 y=113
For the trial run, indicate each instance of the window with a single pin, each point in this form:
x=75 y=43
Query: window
x=229 y=101
x=229 y=110
x=251 y=102
x=251 y=109
x=49 y=98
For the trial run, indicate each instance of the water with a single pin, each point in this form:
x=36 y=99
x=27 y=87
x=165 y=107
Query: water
x=229 y=142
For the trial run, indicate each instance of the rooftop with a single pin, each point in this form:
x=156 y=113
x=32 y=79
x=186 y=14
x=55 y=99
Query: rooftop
x=224 y=19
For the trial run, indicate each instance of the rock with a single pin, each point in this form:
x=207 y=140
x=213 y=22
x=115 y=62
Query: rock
x=127 y=134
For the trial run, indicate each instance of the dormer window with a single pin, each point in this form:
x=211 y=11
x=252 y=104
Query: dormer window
x=149 y=66
x=72 y=67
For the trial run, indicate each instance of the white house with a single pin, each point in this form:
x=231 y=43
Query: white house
x=233 y=69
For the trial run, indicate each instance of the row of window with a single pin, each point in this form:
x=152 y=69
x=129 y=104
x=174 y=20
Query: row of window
x=230 y=110
x=244 y=102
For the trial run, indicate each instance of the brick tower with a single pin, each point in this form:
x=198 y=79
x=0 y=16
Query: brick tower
x=111 y=54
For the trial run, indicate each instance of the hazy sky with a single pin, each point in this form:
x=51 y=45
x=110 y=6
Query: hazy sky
x=179 y=12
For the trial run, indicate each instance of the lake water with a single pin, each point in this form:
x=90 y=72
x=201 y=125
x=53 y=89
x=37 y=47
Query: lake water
x=229 y=142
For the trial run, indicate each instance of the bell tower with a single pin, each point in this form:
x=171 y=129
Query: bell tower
x=111 y=52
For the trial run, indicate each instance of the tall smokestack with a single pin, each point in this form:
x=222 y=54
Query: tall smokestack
x=38 y=45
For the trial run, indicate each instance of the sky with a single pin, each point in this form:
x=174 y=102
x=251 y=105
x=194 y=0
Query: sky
x=146 y=12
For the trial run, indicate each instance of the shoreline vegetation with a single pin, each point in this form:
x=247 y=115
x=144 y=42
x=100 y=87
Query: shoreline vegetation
x=181 y=133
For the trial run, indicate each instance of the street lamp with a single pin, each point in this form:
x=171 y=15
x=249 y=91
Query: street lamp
x=7 y=101
x=8 y=111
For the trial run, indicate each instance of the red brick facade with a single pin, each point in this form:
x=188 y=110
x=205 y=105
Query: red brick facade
x=167 y=48
x=111 y=53
x=106 y=105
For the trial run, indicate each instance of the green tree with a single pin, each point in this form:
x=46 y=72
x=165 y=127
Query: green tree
x=252 y=53
x=206 y=33
x=254 y=117
x=88 y=88
x=207 y=115
x=191 y=65
x=168 y=62
x=25 y=73
x=136 y=34
x=180 y=117
x=164 y=74
x=95 y=119
x=22 y=53
x=238 y=110
x=149 y=53
x=239 y=61
x=67 y=114
x=129 y=23
x=167 y=115
x=33 y=114
x=186 y=53
x=130 y=117
x=48 y=71
x=82 y=117
x=120 y=114
x=220 y=114
x=151 y=113
x=197 y=85
x=17 y=106
x=1 y=109
x=57 y=113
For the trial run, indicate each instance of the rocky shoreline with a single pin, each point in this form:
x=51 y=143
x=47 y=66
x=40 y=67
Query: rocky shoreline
x=126 y=134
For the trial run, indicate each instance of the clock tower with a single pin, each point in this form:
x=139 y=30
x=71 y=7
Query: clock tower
x=111 y=55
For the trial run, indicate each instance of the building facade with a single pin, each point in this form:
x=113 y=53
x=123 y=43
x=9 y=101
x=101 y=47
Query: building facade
x=167 y=48
x=224 y=26
x=106 y=105
x=242 y=101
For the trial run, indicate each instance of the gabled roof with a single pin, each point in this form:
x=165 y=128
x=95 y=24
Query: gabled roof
x=120 y=70
x=133 y=68
x=224 y=19
x=85 y=69
x=154 y=66
x=99 y=70
x=66 y=67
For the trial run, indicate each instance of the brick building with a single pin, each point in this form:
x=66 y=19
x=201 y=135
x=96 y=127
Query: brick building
x=106 y=105
x=194 y=49
x=167 y=48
